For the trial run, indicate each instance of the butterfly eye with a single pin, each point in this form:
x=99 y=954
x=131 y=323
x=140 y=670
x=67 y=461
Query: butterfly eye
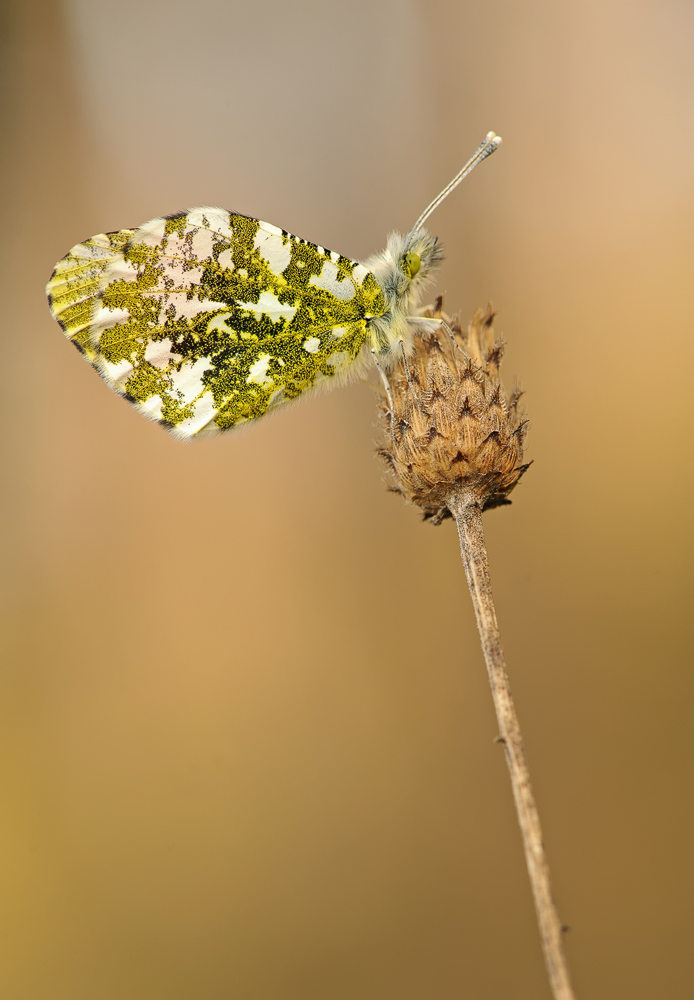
x=413 y=263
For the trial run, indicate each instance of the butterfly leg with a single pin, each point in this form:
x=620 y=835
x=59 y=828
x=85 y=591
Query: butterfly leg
x=433 y=324
x=407 y=373
x=386 y=386
x=448 y=330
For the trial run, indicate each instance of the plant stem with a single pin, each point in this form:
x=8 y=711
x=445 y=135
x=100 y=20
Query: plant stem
x=465 y=508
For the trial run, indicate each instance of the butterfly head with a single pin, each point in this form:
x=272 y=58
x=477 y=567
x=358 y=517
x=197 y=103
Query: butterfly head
x=402 y=269
x=420 y=255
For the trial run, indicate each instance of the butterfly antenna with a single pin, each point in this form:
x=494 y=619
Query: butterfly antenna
x=489 y=144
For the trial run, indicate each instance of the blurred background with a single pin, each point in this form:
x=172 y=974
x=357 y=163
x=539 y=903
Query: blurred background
x=247 y=737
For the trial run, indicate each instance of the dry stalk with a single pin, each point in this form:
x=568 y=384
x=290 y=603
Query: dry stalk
x=455 y=448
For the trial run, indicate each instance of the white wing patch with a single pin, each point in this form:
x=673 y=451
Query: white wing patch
x=258 y=373
x=159 y=353
x=273 y=247
x=269 y=305
x=327 y=280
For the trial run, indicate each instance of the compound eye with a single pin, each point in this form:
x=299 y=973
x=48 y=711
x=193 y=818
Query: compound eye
x=413 y=262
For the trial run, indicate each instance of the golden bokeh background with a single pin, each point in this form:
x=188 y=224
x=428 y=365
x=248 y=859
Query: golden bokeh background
x=247 y=739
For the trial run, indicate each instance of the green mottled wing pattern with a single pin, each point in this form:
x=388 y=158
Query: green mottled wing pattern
x=208 y=319
x=75 y=284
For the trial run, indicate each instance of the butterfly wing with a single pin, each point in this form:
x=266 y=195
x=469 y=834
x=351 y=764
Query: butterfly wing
x=75 y=284
x=207 y=319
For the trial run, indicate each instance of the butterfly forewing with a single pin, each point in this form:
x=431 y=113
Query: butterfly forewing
x=207 y=319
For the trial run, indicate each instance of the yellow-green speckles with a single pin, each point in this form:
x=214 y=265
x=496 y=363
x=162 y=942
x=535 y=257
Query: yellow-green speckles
x=75 y=284
x=208 y=319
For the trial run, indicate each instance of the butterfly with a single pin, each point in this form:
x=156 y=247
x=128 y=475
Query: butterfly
x=207 y=319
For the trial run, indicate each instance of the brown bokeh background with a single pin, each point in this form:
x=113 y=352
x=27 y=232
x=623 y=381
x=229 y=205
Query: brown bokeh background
x=247 y=740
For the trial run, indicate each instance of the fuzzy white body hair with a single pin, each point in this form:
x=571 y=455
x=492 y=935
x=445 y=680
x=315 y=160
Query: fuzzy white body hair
x=402 y=293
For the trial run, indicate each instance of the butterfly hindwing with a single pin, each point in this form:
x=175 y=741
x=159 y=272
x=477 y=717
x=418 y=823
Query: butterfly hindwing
x=207 y=319
x=75 y=284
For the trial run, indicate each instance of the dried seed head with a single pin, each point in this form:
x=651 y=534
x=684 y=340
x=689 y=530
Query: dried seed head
x=452 y=428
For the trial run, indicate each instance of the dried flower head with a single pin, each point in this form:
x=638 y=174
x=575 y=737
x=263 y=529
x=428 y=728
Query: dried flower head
x=448 y=424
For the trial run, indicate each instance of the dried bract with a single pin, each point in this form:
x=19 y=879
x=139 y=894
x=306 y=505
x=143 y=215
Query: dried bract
x=452 y=428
